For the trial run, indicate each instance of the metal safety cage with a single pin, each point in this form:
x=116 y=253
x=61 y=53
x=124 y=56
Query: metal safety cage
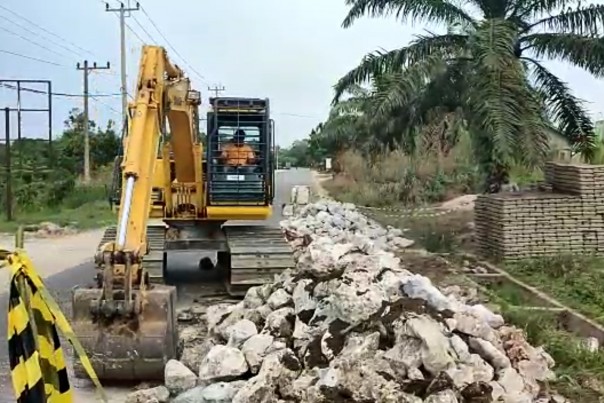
x=239 y=152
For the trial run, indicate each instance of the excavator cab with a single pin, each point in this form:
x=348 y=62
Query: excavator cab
x=240 y=145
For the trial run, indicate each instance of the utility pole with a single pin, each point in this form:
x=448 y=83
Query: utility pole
x=86 y=69
x=216 y=90
x=123 y=10
x=9 y=176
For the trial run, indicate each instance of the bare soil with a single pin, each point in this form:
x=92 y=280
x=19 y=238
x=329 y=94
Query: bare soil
x=54 y=255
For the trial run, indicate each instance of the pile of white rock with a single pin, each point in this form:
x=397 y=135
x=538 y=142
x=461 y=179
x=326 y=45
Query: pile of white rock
x=350 y=325
x=49 y=229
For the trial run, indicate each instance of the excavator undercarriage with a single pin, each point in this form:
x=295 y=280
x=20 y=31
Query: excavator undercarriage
x=244 y=255
x=175 y=197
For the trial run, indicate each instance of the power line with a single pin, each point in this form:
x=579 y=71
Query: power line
x=295 y=115
x=8 y=52
x=45 y=30
x=201 y=77
x=57 y=94
x=143 y=28
x=45 y=37
x=36 y=34
x=86 y=68
x=122 y=18
x=32 y=42
x=94 y=98
x=132 y=31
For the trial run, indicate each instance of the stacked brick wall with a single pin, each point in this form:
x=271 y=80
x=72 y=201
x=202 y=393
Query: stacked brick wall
x=567 y=218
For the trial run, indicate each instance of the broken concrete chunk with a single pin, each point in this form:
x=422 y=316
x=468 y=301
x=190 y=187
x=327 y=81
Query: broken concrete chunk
x=223 y=363
x=159 y=394
x=256 y=348
x=240 y=332
x=280 y=322
x=193 y=353
x=279 y=299
x=178 y=378
x=490 y=353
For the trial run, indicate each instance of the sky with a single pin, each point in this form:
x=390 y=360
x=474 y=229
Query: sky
x=291 y=52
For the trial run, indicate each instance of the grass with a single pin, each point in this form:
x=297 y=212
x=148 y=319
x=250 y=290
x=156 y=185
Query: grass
x=511 y=293
x=577 y=281
x=395 y=178
x=580 y=373
x=446 y=233
x=85 y=208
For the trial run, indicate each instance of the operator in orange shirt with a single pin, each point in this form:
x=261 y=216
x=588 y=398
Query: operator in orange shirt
x=236 y=152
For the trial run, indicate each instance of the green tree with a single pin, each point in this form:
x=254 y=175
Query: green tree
x=296 y=155
x=104 y=144
x=491 y=59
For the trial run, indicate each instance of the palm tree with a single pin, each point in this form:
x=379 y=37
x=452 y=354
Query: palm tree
x=347 y=123
x=492 y=62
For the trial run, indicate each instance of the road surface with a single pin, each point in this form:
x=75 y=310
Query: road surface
x=63 y=278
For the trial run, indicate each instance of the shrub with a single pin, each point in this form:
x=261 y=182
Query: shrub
x=397 y=178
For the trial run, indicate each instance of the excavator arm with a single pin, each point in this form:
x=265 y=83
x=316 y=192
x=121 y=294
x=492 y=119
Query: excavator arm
x=125 y=322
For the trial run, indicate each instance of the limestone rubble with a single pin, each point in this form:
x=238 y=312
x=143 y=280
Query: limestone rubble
x=348 y=324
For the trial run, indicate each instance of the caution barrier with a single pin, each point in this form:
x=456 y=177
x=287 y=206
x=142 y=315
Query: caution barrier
x=37 y=362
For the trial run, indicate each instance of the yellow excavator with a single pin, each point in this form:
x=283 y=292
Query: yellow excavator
x=173 y=194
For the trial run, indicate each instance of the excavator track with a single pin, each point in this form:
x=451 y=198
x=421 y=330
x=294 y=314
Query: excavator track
x=154 y=260
x=257 y=254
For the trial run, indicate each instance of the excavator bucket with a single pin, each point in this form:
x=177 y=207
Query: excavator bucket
x=129 y=348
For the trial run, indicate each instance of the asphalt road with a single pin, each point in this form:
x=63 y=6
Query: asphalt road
x=61 y=283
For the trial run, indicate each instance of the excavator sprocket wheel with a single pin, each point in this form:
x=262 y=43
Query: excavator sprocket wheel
x=133 y=349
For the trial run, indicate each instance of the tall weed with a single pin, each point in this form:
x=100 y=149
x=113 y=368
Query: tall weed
x=397 y=178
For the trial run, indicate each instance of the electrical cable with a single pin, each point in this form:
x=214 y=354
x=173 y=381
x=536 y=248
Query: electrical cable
x=37 y=34
x=8 y=52
x=32 y=42
x=94 y=98
x=143 y=29
x=201 y=77
x=56 y=94
x=46 y=30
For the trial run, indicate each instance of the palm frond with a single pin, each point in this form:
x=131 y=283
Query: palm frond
x=529 y=9
x=381 y=63
x=501 y=103
x=584 y=21
x=566 y=111
x=442 y=11
x=402 y=89
x=581 y=51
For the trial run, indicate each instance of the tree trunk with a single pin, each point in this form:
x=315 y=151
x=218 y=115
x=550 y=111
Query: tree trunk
x=498 y=175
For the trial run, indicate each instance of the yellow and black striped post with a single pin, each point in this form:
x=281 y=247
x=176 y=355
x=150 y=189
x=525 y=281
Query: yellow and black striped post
x=36 y=358
x=37 y=362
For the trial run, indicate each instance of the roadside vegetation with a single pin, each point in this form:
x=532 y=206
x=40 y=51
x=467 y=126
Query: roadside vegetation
x=464 y=110
x=47 y=180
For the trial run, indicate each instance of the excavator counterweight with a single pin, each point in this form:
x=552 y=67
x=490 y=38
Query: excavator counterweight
x=174 y=195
